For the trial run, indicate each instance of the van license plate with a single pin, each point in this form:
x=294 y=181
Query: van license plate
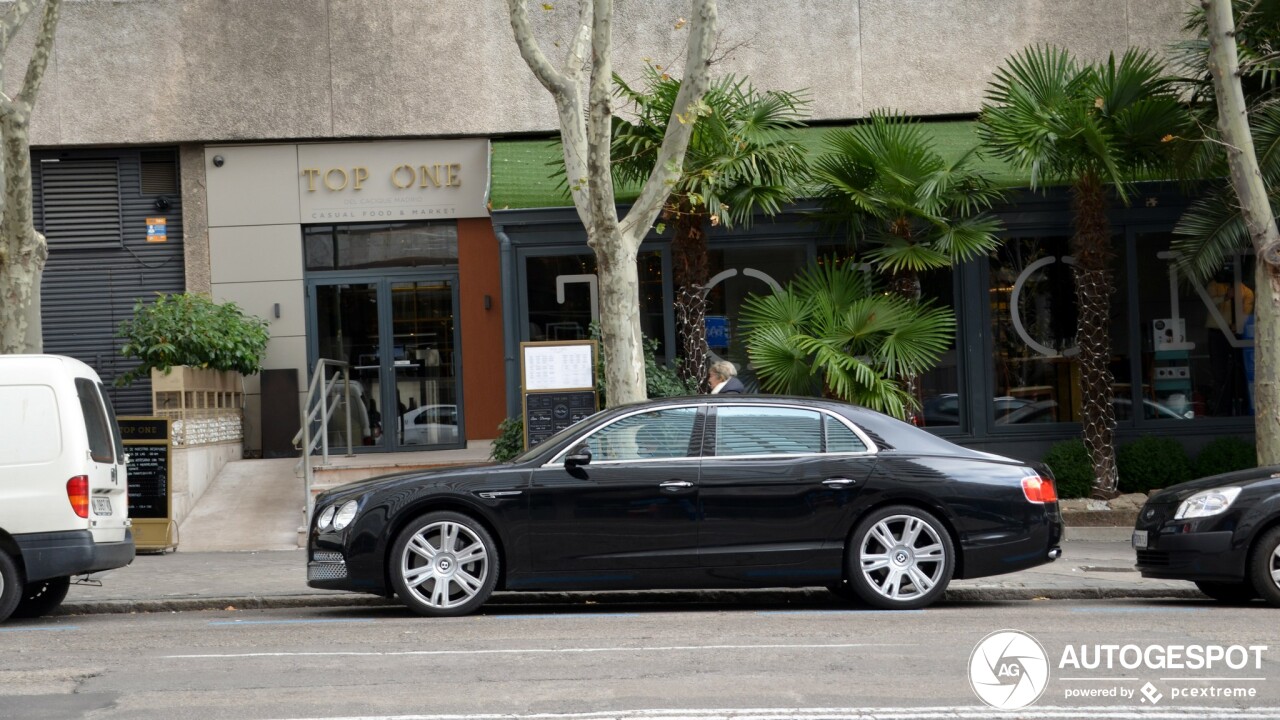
x=1139 y=539
x=101 y=506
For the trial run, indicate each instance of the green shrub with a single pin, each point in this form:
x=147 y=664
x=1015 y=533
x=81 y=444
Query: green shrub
x=1150 y=463
x=192 y=329
x=510 y=440
x=1225 y=454
x=1072 y=469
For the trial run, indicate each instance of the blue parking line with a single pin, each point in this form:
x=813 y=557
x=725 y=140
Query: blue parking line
x=520 y=616
x=838 y=612
x=1138 y=610
x=288 y=622
x=43 y=628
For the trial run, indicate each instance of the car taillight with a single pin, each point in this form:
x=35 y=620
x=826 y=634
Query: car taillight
x=1039 y=490
x=78 y=494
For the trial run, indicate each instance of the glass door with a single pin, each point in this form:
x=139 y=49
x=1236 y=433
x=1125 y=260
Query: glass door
x=423 y=367
x=399 y=336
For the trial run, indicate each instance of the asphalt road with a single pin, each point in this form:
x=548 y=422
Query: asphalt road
x=656 y=662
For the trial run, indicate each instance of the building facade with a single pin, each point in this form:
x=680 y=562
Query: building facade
x=340 y=169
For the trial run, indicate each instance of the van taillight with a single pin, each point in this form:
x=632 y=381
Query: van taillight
x=78 y=494
x=1039 y=490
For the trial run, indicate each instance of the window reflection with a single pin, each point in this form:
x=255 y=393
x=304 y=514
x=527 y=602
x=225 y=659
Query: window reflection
x=563 y=297
x=1196 y=336
x=376 y=245
x=736 y=273
x=1033 y=317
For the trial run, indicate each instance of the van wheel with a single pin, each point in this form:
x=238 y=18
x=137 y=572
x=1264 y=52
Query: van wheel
x=39 y=598
x=10 y=586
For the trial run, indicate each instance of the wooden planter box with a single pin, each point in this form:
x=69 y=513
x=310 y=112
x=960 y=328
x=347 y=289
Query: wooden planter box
x=191 y=392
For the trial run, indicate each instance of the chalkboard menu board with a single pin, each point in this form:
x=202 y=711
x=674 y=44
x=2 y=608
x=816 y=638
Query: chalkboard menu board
x=146 y=443
x=547 y=413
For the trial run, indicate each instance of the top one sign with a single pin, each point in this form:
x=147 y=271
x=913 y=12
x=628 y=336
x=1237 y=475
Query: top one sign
x=559 y=365
x=393 y=181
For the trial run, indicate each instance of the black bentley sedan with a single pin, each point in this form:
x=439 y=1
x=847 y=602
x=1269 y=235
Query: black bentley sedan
x=1223 y=532
x=699 y=492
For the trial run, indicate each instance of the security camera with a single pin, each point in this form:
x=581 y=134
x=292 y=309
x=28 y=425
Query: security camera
x=218 y=160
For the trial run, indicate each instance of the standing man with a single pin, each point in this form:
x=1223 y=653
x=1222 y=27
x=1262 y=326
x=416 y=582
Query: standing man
x=723 y=378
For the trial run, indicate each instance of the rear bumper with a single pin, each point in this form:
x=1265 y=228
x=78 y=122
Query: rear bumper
x=1042 y=545
x=61 y=554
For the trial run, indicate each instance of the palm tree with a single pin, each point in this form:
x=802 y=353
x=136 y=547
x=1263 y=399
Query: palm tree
x=741 y=159
x=834 y=330
x=1092 y=127
x=898 y=197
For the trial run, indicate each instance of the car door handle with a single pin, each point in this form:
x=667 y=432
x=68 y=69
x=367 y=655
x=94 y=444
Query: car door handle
x=839 y=482
x=491 y=494
x=675 y=484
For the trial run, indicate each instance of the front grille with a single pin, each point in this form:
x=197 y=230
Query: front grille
x=1153 y=558
x=326 y=565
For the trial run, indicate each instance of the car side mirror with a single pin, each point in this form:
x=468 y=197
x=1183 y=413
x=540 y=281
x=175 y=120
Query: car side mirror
x=580 y=455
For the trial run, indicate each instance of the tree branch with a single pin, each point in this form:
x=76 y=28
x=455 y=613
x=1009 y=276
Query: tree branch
x=600 y=118
x=44 y=49
x=13 y=20
x=575 y=60
x=552 y=79
x=693 y=85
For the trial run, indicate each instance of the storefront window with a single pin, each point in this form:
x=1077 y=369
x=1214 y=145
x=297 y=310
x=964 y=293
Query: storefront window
x=379 y=245
x=1196 y=336
x=563 y=297
x=736 y=273
x=1033 y=317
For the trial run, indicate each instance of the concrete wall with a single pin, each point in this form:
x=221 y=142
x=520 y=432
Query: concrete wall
x=193 y=469
x=183 y=71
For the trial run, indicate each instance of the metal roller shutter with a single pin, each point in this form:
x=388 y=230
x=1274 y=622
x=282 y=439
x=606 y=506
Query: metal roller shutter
x=92 y=206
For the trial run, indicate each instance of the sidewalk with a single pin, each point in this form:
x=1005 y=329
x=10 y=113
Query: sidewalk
x=277 y=579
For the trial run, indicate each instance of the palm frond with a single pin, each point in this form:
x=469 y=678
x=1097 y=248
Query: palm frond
x=1208 y=232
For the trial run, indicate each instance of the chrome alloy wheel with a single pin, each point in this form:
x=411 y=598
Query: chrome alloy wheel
x=1275 y=566
x=902 y=557
x=444 y=565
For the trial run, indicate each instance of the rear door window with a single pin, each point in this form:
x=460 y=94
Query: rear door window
x=101 y=440
x=767 y=431
x=112 y=423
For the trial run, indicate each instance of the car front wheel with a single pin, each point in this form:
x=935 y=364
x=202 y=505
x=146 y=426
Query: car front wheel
x=41 y=597
x=901 y=558
x=10 y=586
x=1264 y=567
x=444 y=564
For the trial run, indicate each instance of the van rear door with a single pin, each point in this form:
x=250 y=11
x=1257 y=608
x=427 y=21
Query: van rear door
x=108 y=487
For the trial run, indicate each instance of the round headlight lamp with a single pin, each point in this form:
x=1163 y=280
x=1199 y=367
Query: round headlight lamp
x=326 y=517
x=345 y=515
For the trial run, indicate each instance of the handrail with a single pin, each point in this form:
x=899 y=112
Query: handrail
x=318 y=408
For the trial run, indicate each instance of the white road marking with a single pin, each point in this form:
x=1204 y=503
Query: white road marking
x=887 y=713
x=541 y=651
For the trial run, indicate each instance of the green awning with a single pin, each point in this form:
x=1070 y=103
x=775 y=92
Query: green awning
x=523 y=169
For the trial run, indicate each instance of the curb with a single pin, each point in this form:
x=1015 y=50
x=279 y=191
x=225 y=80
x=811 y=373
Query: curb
x=806 y=596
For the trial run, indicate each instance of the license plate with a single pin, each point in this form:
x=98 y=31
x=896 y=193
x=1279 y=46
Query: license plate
x=1139 y=539
x=101 y=506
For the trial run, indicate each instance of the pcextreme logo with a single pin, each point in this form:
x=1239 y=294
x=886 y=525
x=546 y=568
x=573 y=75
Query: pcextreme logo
x=1008 y=670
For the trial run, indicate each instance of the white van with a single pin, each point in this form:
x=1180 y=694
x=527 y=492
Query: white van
x=63 y=492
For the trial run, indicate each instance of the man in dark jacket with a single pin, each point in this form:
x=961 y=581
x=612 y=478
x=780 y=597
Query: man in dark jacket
x=723 y=378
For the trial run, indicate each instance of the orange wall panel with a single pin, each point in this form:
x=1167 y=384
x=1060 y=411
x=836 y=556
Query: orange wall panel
x=483 y=378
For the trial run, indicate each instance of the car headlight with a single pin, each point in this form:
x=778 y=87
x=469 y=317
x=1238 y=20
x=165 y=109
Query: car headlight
x=326 y=517
x=345 y=515
x=1207 y=503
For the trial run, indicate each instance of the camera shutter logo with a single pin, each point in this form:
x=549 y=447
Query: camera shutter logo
x=1008 y=670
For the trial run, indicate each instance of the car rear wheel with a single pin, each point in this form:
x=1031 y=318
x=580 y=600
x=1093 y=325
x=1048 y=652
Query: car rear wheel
x=10 y=586
x=39 y=598
x=444 y=564
x=1264 y=567
x=901 y=558
x=1242 y=592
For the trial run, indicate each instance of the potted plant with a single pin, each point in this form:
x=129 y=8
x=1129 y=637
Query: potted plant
x=191 y=331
